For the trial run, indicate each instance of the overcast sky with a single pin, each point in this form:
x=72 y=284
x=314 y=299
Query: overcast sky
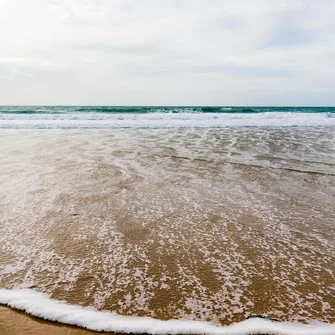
x=165 y=52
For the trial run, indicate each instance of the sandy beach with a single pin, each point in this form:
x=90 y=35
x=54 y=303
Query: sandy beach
x=210 y=225
x=15 y=323
x=167 y=167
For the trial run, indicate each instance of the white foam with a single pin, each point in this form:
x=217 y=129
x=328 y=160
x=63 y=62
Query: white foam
x=163 y=120
x=42 y=306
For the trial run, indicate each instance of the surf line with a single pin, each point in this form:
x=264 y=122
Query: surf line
x=42 y=306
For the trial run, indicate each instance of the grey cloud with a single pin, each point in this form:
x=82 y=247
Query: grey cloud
x=227 y=69
x=286 y=36
x=245 y=70
x=131 y=49
x=292 y=28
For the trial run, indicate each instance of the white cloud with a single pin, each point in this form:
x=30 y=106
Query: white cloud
x=167 y=52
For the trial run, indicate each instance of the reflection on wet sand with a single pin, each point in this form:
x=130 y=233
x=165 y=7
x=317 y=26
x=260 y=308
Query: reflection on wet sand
x=17 y=323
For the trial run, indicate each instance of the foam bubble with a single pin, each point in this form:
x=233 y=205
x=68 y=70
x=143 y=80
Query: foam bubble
x=42 y=306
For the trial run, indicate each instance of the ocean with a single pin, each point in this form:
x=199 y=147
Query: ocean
x=44 y=117
x=193 y=220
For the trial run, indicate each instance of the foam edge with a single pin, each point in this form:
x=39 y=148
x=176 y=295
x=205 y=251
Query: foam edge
x=42 y=306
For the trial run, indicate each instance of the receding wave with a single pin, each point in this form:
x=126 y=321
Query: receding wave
x=42 y=306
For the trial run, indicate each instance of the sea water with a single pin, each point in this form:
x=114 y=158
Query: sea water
x=227 y=213
x=161 y=117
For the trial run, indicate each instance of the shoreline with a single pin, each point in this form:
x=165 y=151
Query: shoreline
x=14 y=322
x=32 y=306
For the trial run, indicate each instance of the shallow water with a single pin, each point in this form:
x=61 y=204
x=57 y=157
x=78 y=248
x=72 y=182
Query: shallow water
x=206 y=224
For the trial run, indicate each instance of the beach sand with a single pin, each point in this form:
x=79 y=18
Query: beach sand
x=208 y=225
x=16 y=323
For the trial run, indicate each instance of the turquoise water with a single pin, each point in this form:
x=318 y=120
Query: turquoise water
x=161 y=109
x=103 y=117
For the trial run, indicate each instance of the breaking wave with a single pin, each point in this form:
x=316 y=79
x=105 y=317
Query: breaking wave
x=88 y=117
x=159 y=109
x=65 y=117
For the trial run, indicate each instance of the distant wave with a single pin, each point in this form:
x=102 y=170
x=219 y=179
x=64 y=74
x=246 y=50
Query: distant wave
x=45 y=117
x=159 y=109
x=40 y=305
x=229 y=110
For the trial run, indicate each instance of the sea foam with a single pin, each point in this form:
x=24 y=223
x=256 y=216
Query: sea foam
x=84 y=120
x=42 y=306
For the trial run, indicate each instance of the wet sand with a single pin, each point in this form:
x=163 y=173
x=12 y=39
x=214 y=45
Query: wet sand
x=17 y=323
x=208 y=225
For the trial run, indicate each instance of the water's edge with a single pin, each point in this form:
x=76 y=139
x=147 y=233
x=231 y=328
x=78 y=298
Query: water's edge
x=42 y=306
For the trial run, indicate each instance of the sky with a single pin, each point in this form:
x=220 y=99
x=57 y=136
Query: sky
x=167 y=52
